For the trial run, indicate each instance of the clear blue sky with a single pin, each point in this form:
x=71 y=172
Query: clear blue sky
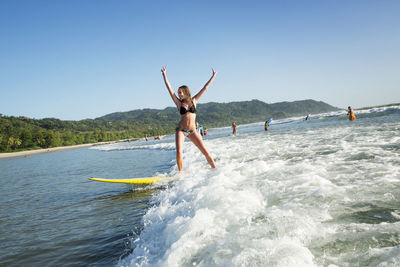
x=83 y=59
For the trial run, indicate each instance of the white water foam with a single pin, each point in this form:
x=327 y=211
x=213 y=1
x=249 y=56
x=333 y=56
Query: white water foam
x=305 y=196
x=136 y=145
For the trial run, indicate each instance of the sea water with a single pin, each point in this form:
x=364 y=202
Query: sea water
x=321 y=192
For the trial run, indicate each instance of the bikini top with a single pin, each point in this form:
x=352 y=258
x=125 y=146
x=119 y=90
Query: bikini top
x=183 y=110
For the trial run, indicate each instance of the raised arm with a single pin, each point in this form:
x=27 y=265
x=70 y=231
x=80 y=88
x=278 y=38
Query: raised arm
x=172 y=94
x=202 y=91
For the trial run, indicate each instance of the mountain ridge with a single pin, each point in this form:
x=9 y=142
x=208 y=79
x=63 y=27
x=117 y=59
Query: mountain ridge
x=23 y=133
x=223 y=114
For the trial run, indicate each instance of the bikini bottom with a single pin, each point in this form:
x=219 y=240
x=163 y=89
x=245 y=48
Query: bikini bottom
x=184 y=131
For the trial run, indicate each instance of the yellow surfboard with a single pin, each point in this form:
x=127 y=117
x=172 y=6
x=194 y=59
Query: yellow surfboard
x=147 y=180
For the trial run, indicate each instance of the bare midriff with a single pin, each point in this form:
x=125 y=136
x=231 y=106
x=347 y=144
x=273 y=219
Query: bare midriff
x=188 y=121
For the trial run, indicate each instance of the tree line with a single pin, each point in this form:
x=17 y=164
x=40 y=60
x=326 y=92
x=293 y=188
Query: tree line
x=22 y=133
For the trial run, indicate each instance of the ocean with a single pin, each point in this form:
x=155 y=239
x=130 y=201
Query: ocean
x=321 y=192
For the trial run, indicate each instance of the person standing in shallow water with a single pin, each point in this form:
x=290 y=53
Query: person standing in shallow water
x=234 y=128
x=350 y=112
x=187 y=126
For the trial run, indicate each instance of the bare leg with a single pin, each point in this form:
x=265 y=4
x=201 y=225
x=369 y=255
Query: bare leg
x=198 y=141
x=179 y=138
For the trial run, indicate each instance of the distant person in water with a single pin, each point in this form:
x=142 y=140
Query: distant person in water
x=205 y=131
x=307 y=118
x=200 y=128
x=234 y=128
x=350 y=112
x=266 y=125
x=187 y=126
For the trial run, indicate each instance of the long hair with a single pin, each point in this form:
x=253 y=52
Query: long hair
x=187 y=94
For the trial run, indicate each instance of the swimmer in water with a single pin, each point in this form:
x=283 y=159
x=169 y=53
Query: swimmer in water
x=187 y=126
x=234 y=128
x=350 y=112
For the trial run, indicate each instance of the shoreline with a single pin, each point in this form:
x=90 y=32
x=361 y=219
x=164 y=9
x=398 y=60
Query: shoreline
x=27 y=153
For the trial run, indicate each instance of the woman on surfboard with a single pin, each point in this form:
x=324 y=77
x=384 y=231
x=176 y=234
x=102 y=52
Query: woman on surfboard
x=187 y=126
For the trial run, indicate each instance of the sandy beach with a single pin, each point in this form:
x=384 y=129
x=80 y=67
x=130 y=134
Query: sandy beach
x=39 y=151
x=52 y=149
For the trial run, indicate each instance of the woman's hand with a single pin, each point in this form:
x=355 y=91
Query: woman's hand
x=171 y=93
x=201 y=92
x=164 y=70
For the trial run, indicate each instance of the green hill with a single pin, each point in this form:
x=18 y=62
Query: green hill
x=22 y=133
x=223 y=114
